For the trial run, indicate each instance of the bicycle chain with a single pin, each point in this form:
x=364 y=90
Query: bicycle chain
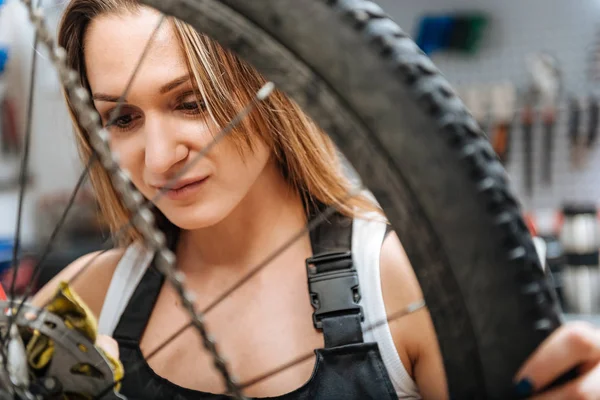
x=143 y=218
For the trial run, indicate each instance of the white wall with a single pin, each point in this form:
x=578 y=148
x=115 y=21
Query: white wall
x=53 y=159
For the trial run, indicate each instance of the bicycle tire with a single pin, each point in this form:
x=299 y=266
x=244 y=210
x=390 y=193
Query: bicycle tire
x=416 y=147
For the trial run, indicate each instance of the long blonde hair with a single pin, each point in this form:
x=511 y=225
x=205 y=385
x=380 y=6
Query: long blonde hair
x=305 y=155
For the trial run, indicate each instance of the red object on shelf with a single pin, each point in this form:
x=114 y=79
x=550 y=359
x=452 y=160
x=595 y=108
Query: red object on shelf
x=23 y=278
x=2 y=294
x=530 y=223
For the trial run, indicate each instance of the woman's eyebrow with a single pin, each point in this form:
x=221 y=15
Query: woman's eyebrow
x=164 y=89
x=174 y=83
x=107 y=97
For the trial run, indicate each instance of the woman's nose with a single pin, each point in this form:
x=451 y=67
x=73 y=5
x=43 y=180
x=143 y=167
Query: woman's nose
x=163 y=149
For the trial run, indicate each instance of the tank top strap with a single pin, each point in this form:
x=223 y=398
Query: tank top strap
x=134 y=319
x=128 y=273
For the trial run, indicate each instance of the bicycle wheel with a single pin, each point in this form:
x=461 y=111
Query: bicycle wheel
x=415 y=146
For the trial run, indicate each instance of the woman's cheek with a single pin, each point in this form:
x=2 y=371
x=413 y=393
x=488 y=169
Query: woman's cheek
x=128 y=151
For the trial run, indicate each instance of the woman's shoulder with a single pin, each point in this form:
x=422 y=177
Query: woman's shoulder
x=89 y=277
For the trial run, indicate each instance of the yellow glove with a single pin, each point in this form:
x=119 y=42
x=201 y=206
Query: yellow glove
x=75 y=313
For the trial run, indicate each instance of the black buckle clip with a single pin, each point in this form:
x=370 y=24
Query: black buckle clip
x=334 y=292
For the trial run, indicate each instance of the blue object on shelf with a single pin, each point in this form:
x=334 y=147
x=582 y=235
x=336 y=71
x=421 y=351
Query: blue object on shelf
x=6 y=249
x=434 y=33
x=3 y=58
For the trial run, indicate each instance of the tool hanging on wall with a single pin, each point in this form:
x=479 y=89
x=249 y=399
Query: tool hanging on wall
x=576 y=151
x=527 y=118
x=503 y=99
x=546 y=84
x=548 y=78
x=548 y=150
x=10 y=143
x=593 y=116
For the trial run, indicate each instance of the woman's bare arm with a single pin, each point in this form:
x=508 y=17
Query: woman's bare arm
x=413 y=335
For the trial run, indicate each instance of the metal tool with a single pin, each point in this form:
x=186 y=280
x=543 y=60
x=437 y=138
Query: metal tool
x=546 y=86
x=593 y=117
x=573 y=131
x=548 y=149
x=503 y=99
x=72 y=349
x=527 y=119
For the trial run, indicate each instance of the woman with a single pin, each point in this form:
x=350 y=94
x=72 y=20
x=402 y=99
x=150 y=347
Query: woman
x=228 y=213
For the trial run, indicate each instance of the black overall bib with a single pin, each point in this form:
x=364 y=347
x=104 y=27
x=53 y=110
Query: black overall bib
x=346 y=368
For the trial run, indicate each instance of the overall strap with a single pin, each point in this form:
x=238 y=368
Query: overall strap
x=333 y=282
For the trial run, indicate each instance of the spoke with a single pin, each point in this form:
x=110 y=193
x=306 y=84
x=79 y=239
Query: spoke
x=15 y=262
x=24 y=166
x=93 y=158
x=312 y=224
x=145 y=224
x=123 y=99
x=411 y=308
x=38 y=267
x=220 y=136
x=48 y=248
x=261 y=95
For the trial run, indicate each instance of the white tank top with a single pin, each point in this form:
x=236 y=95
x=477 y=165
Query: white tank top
x=367 y=238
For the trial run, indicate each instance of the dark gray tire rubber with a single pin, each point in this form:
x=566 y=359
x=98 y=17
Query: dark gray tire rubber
x=417 y=148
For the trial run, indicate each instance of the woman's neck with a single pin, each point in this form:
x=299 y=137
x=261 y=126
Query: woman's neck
x=267 y=217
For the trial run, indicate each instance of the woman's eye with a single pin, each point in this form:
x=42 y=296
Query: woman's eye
x=190 y=105
x=123 y=122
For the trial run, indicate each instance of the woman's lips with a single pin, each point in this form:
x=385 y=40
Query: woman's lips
x=183 y=189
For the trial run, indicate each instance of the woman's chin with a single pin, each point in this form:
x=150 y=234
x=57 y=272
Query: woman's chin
x=194 y=219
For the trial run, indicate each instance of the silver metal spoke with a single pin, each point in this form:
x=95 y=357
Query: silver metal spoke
x=142 y=215
x=411 y=308
x=143 y=218
x=24 y=165
x=48 y=248
x=123 y=98
x=261 y=95
x=217 y=138
x=24 y=172
x=312 y=224
x=36 y=16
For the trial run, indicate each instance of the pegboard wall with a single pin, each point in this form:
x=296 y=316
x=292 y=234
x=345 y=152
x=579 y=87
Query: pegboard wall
x=569 y=30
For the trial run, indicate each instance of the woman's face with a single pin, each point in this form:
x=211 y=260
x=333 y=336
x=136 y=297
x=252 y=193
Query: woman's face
x=160 y=129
